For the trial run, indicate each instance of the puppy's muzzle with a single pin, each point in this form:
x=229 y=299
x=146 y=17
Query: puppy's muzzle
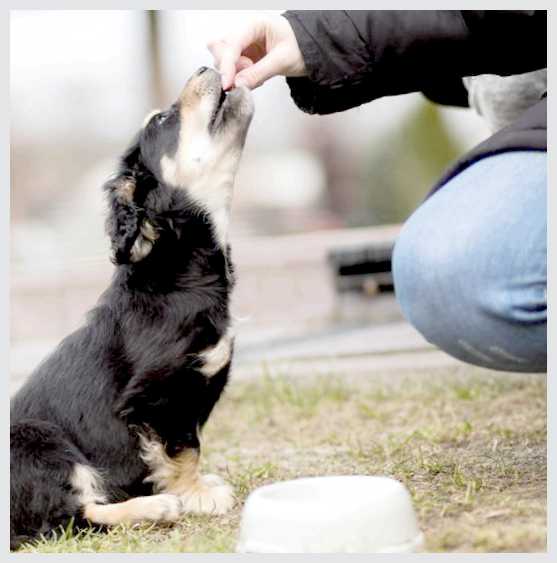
x=204 y=87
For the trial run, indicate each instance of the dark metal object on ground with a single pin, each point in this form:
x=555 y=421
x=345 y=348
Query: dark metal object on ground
x=363 y=269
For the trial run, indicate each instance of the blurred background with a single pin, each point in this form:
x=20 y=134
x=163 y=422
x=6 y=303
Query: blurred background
x=81 y=83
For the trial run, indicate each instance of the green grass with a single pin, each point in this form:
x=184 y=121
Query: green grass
x=470 y=446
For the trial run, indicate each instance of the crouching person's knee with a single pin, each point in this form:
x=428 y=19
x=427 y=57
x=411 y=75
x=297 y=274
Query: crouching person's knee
x=460 y=298
x=421 y=279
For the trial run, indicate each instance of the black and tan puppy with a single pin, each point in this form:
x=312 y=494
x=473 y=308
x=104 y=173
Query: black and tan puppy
x=106 y=430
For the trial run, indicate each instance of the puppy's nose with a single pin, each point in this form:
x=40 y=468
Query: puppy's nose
x=201 y=70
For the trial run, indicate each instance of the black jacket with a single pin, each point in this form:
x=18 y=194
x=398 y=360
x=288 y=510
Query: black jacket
x=353 y=57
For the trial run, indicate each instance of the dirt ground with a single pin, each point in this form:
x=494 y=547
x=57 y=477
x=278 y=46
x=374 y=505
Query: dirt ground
x=469 y=444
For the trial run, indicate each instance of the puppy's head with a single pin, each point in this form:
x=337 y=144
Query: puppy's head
x=196 y=143
x=195 y=147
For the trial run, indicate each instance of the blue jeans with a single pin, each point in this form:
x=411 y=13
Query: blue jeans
x=470 y=265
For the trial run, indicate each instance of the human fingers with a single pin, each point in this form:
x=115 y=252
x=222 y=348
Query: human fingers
x=225 y=54
x=243 y=62
x=227 y=51
x=257 y=73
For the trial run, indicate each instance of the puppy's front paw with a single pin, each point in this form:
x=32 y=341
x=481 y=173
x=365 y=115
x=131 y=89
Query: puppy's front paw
x=163 y=507
x=212 y=480
x=211 y=495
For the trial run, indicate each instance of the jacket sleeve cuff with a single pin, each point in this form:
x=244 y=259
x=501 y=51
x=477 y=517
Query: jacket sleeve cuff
x=308 y=47
x=311 y=93
x=313 y=98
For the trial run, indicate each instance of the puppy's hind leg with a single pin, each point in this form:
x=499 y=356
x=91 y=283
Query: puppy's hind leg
x=50 y=481
x=87 y=482
x=163 y=507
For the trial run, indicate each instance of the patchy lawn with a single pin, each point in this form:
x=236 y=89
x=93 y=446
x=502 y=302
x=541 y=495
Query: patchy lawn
x=469 y=444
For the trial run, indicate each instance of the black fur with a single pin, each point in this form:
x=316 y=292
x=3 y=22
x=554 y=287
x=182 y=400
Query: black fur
x=132 y=366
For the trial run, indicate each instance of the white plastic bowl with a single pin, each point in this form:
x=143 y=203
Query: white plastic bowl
x=338 y=514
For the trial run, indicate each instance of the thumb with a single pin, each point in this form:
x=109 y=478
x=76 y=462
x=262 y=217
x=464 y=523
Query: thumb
x=256 y=74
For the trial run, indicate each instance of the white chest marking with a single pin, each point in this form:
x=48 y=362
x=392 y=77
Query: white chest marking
x=217 y=357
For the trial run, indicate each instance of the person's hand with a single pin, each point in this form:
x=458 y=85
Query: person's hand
x=260 y=49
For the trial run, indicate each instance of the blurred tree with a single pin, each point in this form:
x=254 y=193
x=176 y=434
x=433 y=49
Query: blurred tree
x=158 y=90
x=339 y=162
x=403 y=167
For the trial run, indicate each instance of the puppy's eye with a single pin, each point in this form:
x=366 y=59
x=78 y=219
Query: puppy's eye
x=161 y=117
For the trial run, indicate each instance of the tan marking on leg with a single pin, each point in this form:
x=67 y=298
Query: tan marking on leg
x=171 y=475
x=157 y=507
x=218 y=356
x=180 y=476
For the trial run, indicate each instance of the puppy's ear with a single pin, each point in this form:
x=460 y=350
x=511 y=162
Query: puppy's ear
x=132 y=235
